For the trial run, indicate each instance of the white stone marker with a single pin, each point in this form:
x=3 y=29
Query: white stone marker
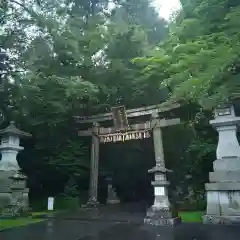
x=50 y=203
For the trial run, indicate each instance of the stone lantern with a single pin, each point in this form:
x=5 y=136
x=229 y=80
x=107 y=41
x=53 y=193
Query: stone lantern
x=223 y=191
x=161 y=212
x=12 y=182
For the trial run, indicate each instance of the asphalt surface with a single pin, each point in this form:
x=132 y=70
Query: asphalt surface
x=116 y=223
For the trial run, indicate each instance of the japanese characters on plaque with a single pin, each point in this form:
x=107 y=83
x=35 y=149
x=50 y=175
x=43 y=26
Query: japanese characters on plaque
x=126 y=136
x=119 y=117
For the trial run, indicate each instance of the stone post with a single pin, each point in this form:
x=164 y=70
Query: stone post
x=223 y=191
x=160 y=213
x=93 y=190
x=112 y=197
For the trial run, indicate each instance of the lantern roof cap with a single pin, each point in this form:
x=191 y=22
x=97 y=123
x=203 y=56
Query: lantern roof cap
x=12 y=129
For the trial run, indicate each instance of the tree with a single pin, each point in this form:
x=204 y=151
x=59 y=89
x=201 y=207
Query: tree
x=133 y=30
x=201 y=54
x=141 y=13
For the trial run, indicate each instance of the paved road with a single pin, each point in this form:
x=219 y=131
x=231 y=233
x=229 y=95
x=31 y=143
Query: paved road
x=113 y=224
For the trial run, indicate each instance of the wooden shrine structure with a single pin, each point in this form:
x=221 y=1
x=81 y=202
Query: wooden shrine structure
x=122 y=131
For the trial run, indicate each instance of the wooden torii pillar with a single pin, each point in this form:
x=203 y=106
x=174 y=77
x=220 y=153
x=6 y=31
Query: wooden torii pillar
x=100 y=134
x=94 y=166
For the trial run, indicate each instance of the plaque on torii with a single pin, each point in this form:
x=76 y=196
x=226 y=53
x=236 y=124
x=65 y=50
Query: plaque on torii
x=120 y=118
x=121 y=131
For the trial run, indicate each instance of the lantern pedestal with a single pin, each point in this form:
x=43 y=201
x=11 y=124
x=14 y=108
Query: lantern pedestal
x=16 y=196
x=223 y=189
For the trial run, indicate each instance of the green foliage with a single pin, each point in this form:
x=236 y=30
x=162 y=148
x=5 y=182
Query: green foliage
x=200 y=56
x=19 y=222
x=67 y=203
x=39 y=204
x=141 y=13
x=71 y=161
x=190 y=217
x=61 y=202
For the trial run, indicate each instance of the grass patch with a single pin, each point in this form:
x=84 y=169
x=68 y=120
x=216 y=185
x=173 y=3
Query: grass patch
x=22 y=221
x=35 y=214
x=38 y=213
x=191 y=216
x=10 y=223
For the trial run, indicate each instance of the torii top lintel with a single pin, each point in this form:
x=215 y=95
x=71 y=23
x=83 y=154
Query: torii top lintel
x=142 y=111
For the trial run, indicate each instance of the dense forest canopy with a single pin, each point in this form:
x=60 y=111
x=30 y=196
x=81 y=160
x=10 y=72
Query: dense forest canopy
x=62 y=58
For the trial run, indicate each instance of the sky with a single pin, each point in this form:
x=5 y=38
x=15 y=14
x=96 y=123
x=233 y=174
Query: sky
x=166 y=7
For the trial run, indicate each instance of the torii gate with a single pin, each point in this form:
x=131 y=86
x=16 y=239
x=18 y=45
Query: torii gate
x=160 y=212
